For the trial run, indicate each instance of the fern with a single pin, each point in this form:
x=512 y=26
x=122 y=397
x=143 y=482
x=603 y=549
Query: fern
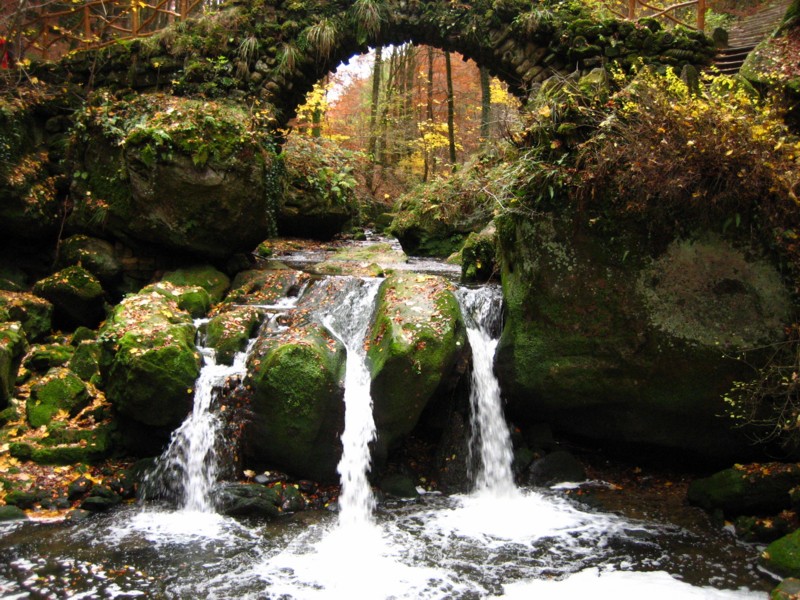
x=322 y=36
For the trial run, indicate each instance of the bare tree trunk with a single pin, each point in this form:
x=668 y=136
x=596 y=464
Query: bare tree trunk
x=451 y=111
x=430 y=161
x=486 y=105
x=372 y=146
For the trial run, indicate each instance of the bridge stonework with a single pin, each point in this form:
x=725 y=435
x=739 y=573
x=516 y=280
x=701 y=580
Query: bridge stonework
x=276 y=50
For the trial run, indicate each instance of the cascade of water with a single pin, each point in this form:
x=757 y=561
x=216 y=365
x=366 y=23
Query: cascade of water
x=190 y=456
x=348 y=322
x=482 y=311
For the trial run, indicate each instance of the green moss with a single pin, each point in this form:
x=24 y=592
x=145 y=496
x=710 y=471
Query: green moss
x=8 y=415
x=415 y=340
x=229 y=332
x=752 y=489
x=42 y=357
x=149 y=361
x=193 y=299
x=33 y=312
x=85 y=362
x=95 y=255
x=22 y=499
x=207 y=277
x=76 y=295
x=12 y=513
x=60 y=389
x=783 y=556
x=478 y=256
x=297 y=402
x=12 y=347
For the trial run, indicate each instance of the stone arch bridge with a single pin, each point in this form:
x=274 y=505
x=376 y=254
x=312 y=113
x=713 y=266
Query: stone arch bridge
x=169 y=140
x=278 y=49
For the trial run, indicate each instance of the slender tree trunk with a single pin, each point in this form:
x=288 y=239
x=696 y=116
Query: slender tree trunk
x=486 y=105
x=430 y=161
x=388 y=106
x=408 y=108
x=316 y=122
x=372 y=146
x=451 y=111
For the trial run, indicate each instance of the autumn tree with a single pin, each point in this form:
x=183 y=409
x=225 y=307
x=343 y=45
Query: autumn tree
x=399 y=105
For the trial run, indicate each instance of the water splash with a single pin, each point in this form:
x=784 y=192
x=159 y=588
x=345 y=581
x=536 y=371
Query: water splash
x=482 y=311
x=190 y=461
x=348 y=322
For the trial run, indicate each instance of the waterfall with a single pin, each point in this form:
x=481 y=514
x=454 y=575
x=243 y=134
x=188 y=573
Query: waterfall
x=190 y=460
x=491 y=440
x=348 y=322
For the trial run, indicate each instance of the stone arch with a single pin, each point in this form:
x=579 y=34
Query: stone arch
x=519 y=43
x=275 y=50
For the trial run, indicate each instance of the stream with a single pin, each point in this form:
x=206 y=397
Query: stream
x=500 y=541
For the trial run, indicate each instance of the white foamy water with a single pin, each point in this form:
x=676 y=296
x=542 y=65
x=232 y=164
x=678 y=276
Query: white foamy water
x=163 y=528
x=491 y=440
x=621 y=585
x=191 y=455
x=348 y=322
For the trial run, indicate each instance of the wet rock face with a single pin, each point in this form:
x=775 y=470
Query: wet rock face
x=416 y=341
x=747 y=489
x=297 y=402
x=605 y=342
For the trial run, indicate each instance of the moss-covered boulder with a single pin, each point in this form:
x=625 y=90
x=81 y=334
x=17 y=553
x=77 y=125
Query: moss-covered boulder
x=605 y=342
x=478 y=255
x=66 y=447
x=43 y=357
x=85 y=361
x=266 y=286
x=76 y=295
x=13 y=345
x=191 y=298
x=370 y=260
x=426 y=237
x=415 y=342
x=229 y=332
x=319 y=198
x=149 y=362
x=788 y=589
x=199 y=176
x=756 y=489
x=248 y=500
x=59 y=390
x=33 y=312
x=783 y=556
x=296 y=378
x=93 y=254
x=30 y=207
x=12 y=513
x=213 y=281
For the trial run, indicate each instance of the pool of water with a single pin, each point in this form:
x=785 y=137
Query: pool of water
x=524 y=545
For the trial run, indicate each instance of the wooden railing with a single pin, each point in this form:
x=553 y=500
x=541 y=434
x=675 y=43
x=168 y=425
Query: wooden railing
x=638 y=9
x=50 y=29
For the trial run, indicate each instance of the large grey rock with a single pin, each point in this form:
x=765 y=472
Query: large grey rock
x=605 y=342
